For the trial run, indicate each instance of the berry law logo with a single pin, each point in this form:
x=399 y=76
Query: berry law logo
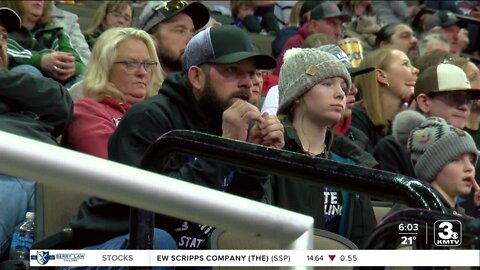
x=43 y=257
x=447 y=233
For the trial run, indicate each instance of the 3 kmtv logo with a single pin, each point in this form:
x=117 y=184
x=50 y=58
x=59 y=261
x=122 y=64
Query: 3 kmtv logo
x=447 y=233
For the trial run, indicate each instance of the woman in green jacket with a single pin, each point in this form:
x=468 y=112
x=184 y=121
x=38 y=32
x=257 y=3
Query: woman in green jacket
x=42 y=45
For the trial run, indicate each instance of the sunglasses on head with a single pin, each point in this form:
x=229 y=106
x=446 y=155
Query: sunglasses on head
x=167 y=6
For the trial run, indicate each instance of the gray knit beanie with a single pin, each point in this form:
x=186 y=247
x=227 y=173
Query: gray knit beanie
x=302 y=69
x=434 y=144
x=404 y=122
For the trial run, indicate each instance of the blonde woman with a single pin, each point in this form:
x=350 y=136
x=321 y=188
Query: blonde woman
x=109 y=15
x=123 y=70
x=383 y=92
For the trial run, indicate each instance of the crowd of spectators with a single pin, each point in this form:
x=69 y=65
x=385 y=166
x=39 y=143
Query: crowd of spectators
x=372 y=83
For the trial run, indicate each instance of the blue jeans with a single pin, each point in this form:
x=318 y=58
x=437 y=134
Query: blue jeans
x=28 y=69
x=17 y=197
x=35 y=72
x=162 y=240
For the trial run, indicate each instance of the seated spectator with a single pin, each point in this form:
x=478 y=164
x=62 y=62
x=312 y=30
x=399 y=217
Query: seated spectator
x=256 y=89
x=395 y=11
x=447 y=24
x=35 y=108
x=210 y=96
x=243 y=13
x=433 y=41
x=313 y=88
x=297 y=20
x=69 y=22
x=110 y=14
x=433 y=58
x=342 y=127
x=364 y=24
x=270 y=104
x=442 y=155
x=41 y=48
x=399 y=35
x=383 y=93
x=472 y=125
x=451 y=102
x=264 y=9
x=326 y=18
x=124 y=70
x=357 y=8
x=171 y=25
x=466 y=8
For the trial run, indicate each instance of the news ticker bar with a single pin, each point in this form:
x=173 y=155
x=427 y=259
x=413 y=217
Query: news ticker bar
x=254 y=258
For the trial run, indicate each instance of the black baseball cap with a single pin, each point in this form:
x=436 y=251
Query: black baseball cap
x=328 y=9
x=442 y=18
x=160 y=13
x=10 y=19
x=224 y=44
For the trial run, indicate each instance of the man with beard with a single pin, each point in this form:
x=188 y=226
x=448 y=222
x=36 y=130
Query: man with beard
x=399 y=35
x=36 y=108
x=210 y=95
x=171 y=25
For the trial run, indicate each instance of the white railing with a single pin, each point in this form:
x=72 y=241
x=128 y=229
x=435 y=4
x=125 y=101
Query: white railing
x=116 y=182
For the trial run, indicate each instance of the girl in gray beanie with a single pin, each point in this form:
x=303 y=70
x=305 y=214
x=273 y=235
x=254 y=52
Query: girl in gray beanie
x=443 y=155
x=313 y=86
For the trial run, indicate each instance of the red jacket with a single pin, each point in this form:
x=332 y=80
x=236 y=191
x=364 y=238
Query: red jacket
x=293 y=42
x=93 y=124
x=344 y=126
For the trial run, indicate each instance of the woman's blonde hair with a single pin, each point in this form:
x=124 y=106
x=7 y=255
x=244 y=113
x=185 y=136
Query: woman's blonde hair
x=294 y=19
x=100 y=17
x=96 y=83
x=369 y=88
x=18 y=8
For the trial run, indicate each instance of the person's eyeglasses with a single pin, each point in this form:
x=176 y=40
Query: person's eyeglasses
x=167 y=6
x=134 y=66
x=117 y=14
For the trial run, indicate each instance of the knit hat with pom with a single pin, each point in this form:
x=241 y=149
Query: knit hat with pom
x=432 y=142
x=304 y=68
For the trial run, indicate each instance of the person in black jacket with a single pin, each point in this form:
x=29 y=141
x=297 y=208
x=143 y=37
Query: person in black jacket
x=209 y=96
x=35 y=108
